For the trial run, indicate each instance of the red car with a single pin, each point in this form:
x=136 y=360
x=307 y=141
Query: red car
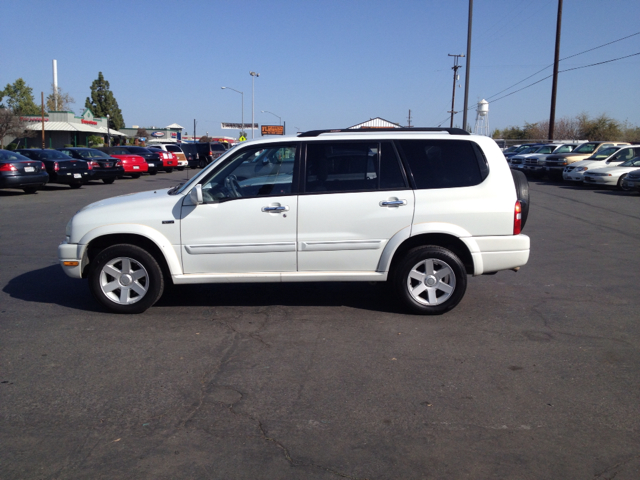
x=169 y=159
x=134 y=165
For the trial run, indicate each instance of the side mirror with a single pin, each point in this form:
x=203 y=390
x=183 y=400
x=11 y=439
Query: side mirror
x=196 y=195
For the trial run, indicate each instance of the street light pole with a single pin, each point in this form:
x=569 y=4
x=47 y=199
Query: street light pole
x=279 y=117
x=241 y=93
x=253 y=78
x=108 y=133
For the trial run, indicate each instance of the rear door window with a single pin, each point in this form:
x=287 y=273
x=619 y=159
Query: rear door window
x=444 y=163
x=352 y=167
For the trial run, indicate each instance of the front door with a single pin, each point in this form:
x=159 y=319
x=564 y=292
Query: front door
x=247 y=223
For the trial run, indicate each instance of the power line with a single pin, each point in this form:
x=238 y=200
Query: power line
x=565 y=58
x=563 y=71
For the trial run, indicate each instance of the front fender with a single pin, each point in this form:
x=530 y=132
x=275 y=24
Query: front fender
x=171 y=255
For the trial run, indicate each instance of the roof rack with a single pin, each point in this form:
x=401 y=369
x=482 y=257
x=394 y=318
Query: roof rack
x=450 y=131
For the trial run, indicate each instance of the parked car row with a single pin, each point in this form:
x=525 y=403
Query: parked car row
x=30 y=168
x=613 y=164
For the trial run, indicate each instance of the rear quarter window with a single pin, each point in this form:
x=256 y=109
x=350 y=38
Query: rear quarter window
x=444 y=163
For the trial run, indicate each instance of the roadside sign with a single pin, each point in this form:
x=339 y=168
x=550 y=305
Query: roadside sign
x=272 y=130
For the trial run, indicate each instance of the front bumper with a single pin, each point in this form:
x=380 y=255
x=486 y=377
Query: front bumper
x=73 y=258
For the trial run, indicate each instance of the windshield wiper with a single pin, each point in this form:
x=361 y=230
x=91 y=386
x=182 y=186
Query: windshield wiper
x=174 y=189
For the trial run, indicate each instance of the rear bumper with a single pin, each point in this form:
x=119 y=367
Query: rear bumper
x=23 y=180
x=492 y=254
x=67 y=178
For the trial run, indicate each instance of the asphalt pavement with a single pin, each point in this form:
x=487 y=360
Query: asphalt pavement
x=533 y=376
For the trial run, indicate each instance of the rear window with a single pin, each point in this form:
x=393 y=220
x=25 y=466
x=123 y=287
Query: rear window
x=217 y=147
x=444 y=163
x=173 y=148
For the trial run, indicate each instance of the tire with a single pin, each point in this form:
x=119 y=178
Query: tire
x=430 y=280
x=202 y=163
x=522 y=192
x=153 y=173
x=75 y=185
x=624 y=189
x=31 y=190
x=135 y=175
x=108 y=181
x=126 y=279
x=169 y=170
x=180 y=169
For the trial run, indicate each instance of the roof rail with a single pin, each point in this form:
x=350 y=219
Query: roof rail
x=450 y=131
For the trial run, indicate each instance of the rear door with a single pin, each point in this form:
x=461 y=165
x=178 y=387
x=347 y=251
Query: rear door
x=355 y=199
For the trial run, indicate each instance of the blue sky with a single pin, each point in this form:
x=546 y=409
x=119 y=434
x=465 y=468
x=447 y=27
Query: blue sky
x=325 y=64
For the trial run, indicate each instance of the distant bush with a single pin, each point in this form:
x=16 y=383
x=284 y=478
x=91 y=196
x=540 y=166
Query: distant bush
x=12 y=146
x=68 y=145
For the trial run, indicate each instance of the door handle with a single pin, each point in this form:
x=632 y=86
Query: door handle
x=275 y=209
x=393 y=203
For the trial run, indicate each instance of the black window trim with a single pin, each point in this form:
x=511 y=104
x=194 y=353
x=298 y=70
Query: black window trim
x=303 y=164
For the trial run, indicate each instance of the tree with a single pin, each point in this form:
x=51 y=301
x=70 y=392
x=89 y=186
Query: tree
x=64 y=100
x=20 y=98
x=12 y=126
x=142 y=133
x=204 y=139
x=102 y=102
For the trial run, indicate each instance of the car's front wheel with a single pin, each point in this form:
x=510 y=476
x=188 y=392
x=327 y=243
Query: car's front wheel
x=126 y=279
x=621 y=184
x=430 y=280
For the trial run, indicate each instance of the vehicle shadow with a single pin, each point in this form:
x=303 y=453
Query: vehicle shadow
x=51 y=285
x=361 y=295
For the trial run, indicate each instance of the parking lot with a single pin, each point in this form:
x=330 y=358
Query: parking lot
x=533 y=376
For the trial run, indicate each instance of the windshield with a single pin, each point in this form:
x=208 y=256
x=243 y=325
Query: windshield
x=94 y=154
x=187 y=185
x=604 y=153
x=528 y=150
x=139 y=150
x=634 y=162
x=6 y=155
x=586 y=148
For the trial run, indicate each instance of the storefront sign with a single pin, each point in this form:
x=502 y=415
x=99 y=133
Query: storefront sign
x=88 y=122
x=237 y=126
x=157 y=134
x=272 y=130
x=33 y=119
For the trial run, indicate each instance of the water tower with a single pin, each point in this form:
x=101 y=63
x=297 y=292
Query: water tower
x=482 y=118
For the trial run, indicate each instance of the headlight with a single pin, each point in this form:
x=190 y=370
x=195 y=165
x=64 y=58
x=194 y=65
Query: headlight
x=581 y=169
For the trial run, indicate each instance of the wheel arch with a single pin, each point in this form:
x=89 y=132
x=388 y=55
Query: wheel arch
x=163 y=253
x=444 y=240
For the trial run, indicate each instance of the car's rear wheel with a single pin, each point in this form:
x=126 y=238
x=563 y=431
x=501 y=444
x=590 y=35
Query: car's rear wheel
x=108 y=181
x=126 y=279
x=430 y=280
x=180 y=169
x=31 y=189
x=153 y=173
x=169 y=170
x=135 y=175
x=75 y=185
x=202 y=163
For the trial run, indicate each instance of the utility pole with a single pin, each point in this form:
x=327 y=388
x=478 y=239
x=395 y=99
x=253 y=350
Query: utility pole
x=455 y=79
x=552 y=116
x=468 y=72
x=409 y=120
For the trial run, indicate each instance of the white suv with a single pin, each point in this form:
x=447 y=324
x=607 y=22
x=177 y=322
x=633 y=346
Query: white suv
x=421 y=208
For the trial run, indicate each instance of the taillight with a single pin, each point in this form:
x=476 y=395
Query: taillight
x=119 y=163
x=89 y=166
x=7 y=167
x=42 y=166
x=95 y=164
x=56 y=167
x=517 y=218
